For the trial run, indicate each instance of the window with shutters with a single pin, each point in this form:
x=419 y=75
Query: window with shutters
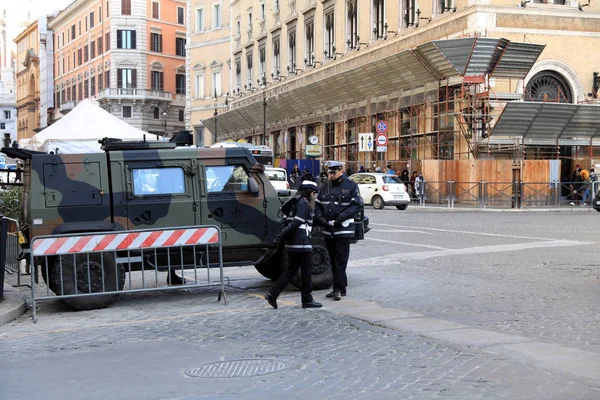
x=125 y=7
x=100 y=87
x=86 y=23
x=352 y=24
x=276 y=58
x=91 y=20
x=79 y=57
x=181 y=115
x=156 y=42
x=107 y=9
x=100 y=45
x=73 y=32
x=180 y=16
x=74 y=92
x=126 y=111
x=107 y=79
x=409 y=17
x=216 y=81
x=238 y=74
x=85 y=53
x=262 y=63
x=199 y=19
x=157 y=80
x=199 y=86
x=99 y=13
x=155 y=10
x=292 y=50
x=180 y=83
x=92 y=85
x=217 y=16
x=80 y=87
x=180 y=47
x=126 y=78
x=126 y=39
x=156 y=113
x=107 y=41
x=86 y=89
x=79 y=27
x=249 y=64
x=309 y=44
x=329 y=33
x=92 y=50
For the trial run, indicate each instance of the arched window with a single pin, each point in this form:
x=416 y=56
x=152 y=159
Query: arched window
x=548 y=86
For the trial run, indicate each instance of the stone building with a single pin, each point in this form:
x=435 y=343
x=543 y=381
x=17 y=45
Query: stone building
x=127 y=54
x=209 y=64
x=35 y=78
x=439 y=73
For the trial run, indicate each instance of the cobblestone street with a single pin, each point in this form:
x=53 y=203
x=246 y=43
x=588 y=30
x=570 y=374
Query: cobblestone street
x=440 y=305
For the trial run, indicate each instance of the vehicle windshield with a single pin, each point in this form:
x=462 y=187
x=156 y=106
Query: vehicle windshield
x=275 y=175
x=391 y=179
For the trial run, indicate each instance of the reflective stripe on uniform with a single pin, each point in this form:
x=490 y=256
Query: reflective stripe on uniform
x=344 y=233
x=298 y=246
x=299 y=219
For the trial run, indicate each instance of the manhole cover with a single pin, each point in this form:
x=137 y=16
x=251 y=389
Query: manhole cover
x=237 y=368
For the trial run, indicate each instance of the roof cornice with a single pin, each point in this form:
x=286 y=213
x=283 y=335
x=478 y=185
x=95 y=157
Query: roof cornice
x=73 y=8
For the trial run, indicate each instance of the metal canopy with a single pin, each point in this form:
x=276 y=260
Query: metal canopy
x=362 y=78
x=532 y=120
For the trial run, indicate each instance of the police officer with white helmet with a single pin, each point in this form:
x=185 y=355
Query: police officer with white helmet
x=336 y=207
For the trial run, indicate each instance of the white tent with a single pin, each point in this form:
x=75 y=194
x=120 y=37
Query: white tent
x=79 y=131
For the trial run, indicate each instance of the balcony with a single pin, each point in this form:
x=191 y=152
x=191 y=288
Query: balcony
x=179 y=100
x=134 y=94
x=67 y=106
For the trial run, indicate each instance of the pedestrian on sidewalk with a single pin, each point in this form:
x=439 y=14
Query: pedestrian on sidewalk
x=336 y=207
x=298 y=245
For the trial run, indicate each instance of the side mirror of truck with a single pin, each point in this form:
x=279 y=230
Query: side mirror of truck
x=253 y=186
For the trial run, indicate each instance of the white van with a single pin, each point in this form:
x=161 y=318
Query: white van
x=278 y=178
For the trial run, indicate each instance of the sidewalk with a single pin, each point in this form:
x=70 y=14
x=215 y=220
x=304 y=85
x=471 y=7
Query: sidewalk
x=467 y=208
x=13 y=305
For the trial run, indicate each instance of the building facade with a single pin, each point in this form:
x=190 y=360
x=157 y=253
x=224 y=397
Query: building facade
x=35 y=78
x=129 y=55
x=438 y=73
x=208 y=64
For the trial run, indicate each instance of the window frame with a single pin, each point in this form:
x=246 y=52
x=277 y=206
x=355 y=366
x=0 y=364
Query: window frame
x=217 y=16
x=125 y=7
x=126 y=107
x=180 y=15
x=157 y=4
x=169 y=179
x=200 y=19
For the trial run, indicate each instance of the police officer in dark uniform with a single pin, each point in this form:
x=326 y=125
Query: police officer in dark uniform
x=298 y=244
x=336 y=206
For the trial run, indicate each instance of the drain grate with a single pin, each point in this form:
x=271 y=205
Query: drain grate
x=237 y=368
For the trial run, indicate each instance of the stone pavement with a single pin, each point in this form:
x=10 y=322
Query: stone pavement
x=142 y=346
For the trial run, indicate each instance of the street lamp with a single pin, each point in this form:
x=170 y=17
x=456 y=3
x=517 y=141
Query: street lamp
x=164 y=115
x=215 y=115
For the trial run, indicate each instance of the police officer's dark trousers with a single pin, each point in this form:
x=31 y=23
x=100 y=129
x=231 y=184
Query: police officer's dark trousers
x=297 y=260
x=339 y=252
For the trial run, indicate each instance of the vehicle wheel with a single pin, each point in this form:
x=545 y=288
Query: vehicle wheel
x=322 y=275
x=597 y=209
x=377 y=202
x=75 y=276
x=272 y=268
x=402 y=207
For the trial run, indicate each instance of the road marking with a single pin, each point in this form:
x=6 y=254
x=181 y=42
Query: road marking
x=399 y=231
x=393 y=259
x=406 y=243
x=467 y=232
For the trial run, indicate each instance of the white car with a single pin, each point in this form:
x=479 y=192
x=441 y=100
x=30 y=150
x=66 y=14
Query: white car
x=278 y=178
x=382 y=190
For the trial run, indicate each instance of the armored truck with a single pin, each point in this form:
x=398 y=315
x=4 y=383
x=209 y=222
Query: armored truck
x=138 y=185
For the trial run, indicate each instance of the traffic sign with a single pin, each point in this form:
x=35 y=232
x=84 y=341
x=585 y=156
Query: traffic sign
x=381 y=139
x=365 y=142
x=381 y=127
x=381 y=149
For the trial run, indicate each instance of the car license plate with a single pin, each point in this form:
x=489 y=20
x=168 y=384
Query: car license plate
x=400 y=198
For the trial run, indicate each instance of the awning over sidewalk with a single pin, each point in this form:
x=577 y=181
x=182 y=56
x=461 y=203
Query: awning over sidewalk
x=361 y=78
x=543 y=121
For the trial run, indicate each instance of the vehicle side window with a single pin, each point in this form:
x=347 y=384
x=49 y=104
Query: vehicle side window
x=158 y=181
x=358 y=179
x=369 y=180
x=226 y=178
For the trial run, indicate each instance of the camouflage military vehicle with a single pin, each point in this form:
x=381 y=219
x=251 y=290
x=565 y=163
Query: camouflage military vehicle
x=137 y=185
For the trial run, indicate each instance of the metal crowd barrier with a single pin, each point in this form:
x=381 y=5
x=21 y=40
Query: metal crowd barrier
x=517 y=194
x=77 y=266
x=10 y=251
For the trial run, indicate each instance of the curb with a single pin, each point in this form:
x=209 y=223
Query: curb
x=503 y=210
x=12 y=306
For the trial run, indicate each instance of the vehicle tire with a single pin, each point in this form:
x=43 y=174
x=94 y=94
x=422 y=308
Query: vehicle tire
x=273 y=267
x=597 y=209
x=75 y=275
x=402 y=207
x=322 y=275
x=377 y=202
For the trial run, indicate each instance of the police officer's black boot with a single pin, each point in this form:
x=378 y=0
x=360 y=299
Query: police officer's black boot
x=174 y=279
x=312 y=304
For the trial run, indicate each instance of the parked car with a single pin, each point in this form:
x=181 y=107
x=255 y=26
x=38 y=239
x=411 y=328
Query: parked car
x=277 y=177
x=382 y=190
